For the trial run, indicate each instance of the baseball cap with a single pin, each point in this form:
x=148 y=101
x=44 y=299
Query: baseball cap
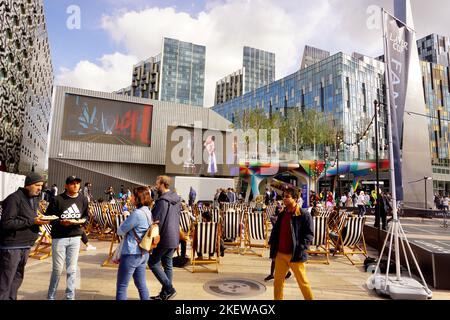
x=71 y=179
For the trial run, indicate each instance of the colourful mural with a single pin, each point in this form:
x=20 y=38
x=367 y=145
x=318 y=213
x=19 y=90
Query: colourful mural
x=315 y=169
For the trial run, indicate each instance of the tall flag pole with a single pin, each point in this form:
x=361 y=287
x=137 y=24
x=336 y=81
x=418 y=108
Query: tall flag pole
x=397 y=39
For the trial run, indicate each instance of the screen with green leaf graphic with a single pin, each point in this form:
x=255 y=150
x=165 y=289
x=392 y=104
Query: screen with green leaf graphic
x=107 y=121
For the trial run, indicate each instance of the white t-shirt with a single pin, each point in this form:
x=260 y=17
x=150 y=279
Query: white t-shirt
x=445 y=202
x=361 y=200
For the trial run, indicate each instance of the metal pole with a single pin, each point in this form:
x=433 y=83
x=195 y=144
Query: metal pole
x=377 y=207
x=426 y=179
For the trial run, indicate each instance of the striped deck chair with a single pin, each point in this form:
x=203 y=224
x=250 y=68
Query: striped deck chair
x=326 y=213
x=118 y=220
x=108 y=215
x=351 y=236
x=206 y=242
x=216 y=215
x=320 y=242
x=43 y=245
x=116 y=208
x=270 y=211
x=91 y=221
x=256 y=229
x=185 y=222
x=232 y=229
x=99 y=220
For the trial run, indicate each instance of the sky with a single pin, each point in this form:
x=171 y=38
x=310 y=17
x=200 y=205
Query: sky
x=97 y=49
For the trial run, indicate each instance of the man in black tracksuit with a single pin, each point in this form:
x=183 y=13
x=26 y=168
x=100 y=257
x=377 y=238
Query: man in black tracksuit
x=19 y=229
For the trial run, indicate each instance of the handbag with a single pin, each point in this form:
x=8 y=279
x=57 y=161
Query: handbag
x=117 y=253
x=150 y=239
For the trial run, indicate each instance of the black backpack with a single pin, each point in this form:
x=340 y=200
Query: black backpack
x=180 y=262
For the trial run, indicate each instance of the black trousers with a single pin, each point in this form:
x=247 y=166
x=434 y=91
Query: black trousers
x=381 y=217
x=12 y=269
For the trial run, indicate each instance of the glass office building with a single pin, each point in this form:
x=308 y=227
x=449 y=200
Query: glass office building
x=259 y=68
x=182 y=72
x=343 y=87
x=434 y=53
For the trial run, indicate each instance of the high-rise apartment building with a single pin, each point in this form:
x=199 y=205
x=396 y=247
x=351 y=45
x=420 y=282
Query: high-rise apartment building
x=312 y=56
x=26 y=82
x=177 y=74
x=435 y=48
x=230 y=87
x=258 y=69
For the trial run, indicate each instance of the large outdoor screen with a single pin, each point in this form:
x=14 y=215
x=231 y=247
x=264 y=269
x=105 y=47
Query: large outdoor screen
x=107 y=121
x=201 y=152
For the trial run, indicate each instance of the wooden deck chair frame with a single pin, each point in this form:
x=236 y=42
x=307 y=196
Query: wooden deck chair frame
x=43 y=247
x=321 y=241
x=91 y=223
x=99 y=219
x=256 y=229
x=226 y=232
x=353 y=237
x=205 y=234
x=118 y=220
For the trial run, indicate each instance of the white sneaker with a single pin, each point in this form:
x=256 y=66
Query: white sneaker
x=90 y=248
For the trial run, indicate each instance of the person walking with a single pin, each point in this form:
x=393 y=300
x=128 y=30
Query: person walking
x=87 y=191
x=72 y=209
x=19 y=229
x=445 y=203
x=380 y=207
x=133 y=260
x=166 y=213
x=223 y=196
x=192 y=196
x=110 y=194
x=291 y=236
x=361 y=203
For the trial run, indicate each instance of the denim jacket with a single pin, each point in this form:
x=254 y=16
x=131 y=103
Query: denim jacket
x=139 y=220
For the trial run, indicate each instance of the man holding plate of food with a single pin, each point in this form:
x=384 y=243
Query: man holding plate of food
x=71 y=207
x=19 y=229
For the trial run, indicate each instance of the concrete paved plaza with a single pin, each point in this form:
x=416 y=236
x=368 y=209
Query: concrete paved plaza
x=338 y=281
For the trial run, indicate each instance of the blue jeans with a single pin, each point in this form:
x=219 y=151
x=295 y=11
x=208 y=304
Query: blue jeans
x=361 y=210
x=132 y=265
x=65 y=249
x=164 y=277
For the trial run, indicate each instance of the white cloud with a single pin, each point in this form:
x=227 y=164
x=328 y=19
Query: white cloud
x=225 y=26
x=111 y=73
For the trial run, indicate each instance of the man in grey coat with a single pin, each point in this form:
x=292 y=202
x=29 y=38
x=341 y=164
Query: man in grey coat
x=167 y=214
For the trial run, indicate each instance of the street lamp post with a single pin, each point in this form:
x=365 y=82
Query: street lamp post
x=424 y=179
x=378 y=200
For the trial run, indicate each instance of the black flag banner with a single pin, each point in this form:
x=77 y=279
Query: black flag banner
x=398 y=39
